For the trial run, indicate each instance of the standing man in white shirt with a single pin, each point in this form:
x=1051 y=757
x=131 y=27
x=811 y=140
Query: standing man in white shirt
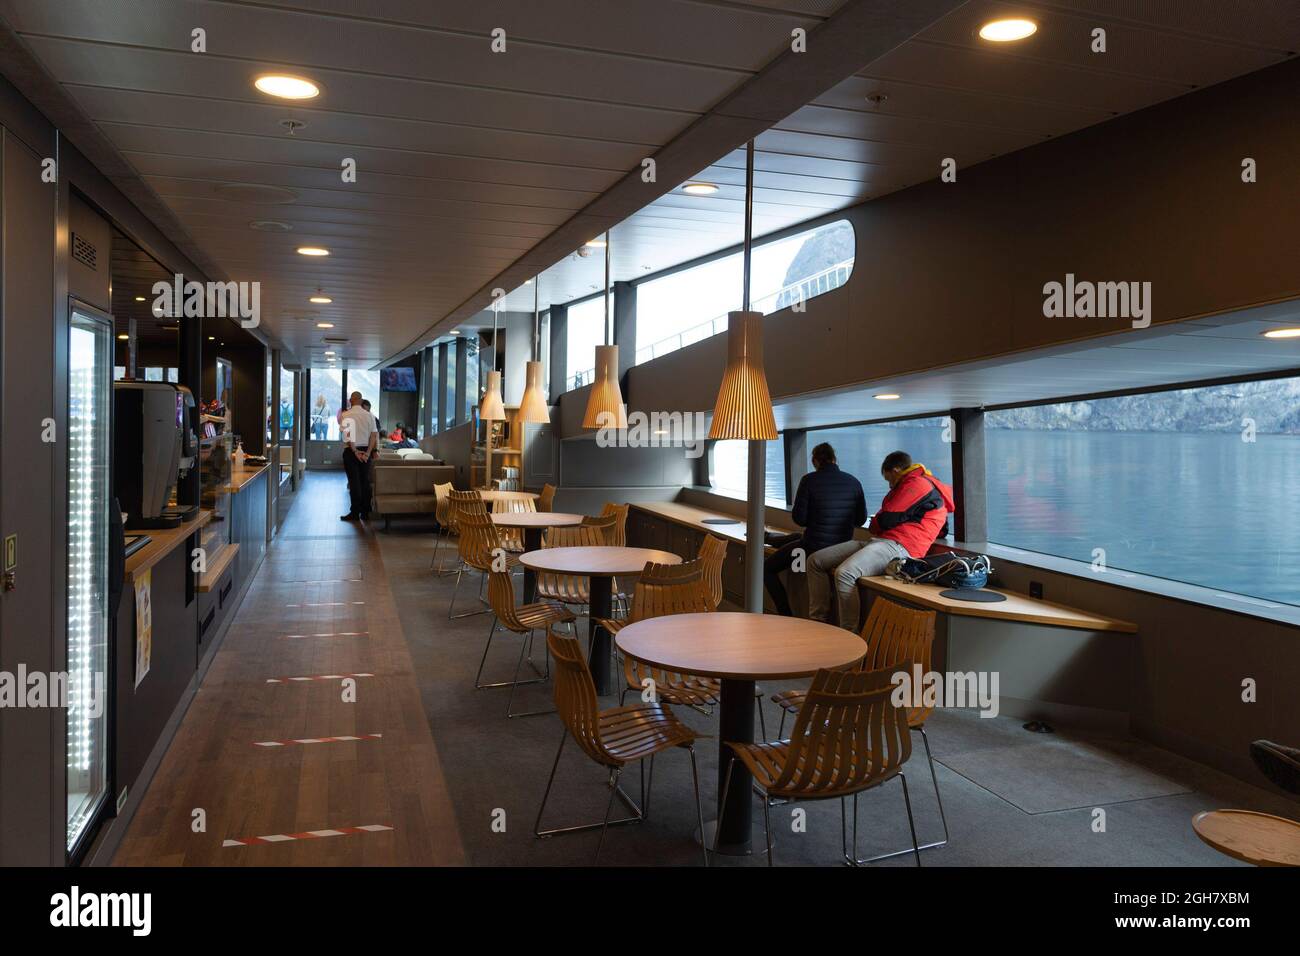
x=360 y=438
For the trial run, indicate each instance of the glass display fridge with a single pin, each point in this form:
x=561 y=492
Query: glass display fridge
x=89 y=498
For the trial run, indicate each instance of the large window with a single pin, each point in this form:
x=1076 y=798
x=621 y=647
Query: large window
x=859 y=450
x=730 y=470
x=449 y=396
x=287 y=403
x=690 y=305
x=326 y=403
x=586 y=330
x=1196 y=485
x=367 y=383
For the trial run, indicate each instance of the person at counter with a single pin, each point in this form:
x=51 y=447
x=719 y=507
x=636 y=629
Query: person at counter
x=828 y=505
x=360 y=438
x=912 y=516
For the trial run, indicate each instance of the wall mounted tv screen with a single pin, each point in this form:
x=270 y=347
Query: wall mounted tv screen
x=399 y=379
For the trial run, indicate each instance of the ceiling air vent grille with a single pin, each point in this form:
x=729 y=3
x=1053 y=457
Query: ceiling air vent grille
x=84 y=252
x=334 y=340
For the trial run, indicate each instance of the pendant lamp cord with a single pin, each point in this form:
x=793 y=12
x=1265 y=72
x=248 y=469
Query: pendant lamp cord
x=607 y=323
x=749 y=218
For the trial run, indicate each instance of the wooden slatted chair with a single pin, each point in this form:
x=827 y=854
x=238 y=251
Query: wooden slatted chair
x=570 y=588
x=612 y=738
x=617 y=537
x=546 y=500
x=513 y=538
x=441 y=514
x=664 y=589
x=524 y=620
x=848 y=737
x=893 y=633
x=713 y=552
x=480 y=550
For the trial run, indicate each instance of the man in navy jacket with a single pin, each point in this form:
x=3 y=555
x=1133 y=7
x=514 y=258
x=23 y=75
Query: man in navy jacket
x=828 y=505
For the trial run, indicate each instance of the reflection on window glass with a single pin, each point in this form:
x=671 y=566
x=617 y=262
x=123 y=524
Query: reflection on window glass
x=685 y=307
x=287 y=398
x=326 y=403
x=860 y=449
x=449 y=416
x=586 y=329
x=153 y=374
x=367 y=383
x=1195 y=485
x=730 y=472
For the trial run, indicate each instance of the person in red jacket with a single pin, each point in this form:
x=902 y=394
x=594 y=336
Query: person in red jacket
x=913 y=514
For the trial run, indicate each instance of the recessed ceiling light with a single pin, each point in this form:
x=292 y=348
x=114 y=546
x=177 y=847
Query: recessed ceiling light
x=528 y=282
x=1004 y=31
x=700 y=189
x=887 y=396
x=455 y=331
x=212 y=338
x=1293 y=333
x=286 y=86
x=313 y=251
x=330 y=354
x=139 y=298
x=123 y=337
x=595 y=243
x=321 y=299
x=324 y=325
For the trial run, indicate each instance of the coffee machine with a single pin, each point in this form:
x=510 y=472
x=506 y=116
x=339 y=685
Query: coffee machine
x=154 y=446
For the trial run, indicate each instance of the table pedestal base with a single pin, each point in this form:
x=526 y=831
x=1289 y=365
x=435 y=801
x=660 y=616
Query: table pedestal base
x=729 y=849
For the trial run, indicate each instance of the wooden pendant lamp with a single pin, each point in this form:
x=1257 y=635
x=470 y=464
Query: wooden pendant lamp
x=605 y=408
x=744 y=405
x=532 y=407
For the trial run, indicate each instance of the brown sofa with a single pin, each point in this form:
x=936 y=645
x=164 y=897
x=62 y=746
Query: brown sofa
x=406 y=487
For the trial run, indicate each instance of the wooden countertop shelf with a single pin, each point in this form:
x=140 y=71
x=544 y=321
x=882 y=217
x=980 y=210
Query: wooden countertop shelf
x=163 y=542
x=240 y=476
x=208 y=579
x=1017 y=607
x=692 y=517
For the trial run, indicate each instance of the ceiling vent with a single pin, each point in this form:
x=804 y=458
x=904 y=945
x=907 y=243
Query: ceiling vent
x=270 y=225
x=84 y=252
x=335 y=340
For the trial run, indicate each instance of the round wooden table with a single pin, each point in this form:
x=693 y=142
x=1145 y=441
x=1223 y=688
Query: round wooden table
x=1258 y=838
x=739 y=649
x=599 y=565
x=533 y=523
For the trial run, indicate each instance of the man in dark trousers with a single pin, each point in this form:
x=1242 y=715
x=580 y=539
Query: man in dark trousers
x=828 y=505
x=360 y=438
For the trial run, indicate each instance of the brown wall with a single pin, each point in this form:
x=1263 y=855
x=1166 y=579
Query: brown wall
x=949 y=273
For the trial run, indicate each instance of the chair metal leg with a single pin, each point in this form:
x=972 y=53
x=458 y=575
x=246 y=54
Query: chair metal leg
x=510 y=699
x=758 y=703
x=924 y=846
x=935 y=780
x=767 y=828
x=613 y=791
x=503 y=683
x=455 y=590
x=780 y=732
x=910 y=823
x=699 y=808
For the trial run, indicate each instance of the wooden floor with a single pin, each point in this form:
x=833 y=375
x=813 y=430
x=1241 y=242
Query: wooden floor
x=320 y=607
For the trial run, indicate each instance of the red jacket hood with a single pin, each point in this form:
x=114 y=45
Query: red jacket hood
x=917 y=484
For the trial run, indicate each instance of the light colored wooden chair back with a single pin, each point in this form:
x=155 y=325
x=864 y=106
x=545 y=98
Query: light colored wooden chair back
x=713 y=552
x=501 y=595
x=608 y=525
x=442 y=506
x=848 y=736
x=575 y=697
x=895 y=633
x=618 y=535
x=479 y=542
x=574 y=536
x=546 y=500
x=569 y=588
x=463 y=502
x=664 y=589
x=513 y=538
